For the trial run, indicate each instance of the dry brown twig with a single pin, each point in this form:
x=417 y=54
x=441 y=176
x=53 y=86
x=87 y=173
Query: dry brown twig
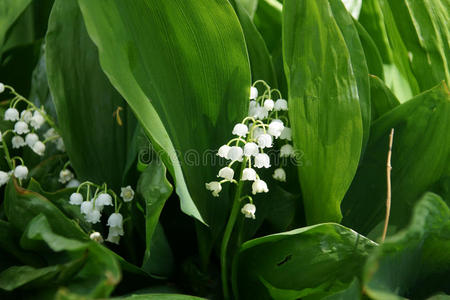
x=388 y=179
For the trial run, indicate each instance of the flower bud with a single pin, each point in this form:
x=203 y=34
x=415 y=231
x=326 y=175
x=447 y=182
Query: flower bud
x=21 y=172
x=253 y=93
x=96 y=236
x=279 y=174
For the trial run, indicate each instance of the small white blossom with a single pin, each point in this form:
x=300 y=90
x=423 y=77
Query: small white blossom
x=262 y=160
x=96 y=236
x=115 y=230
x=127 y=193
x=1 y=136
x=257 y=132
x=280 y=104
x=248 y=174
x=235 y=153
x=115 y=220
x=269 y=104
x=21 y=127
x=37 y=120
x=253 y=93
x=286 y=134
x=215 y=187
x=275 y=128
x=259 y=186
x=76 y=199
x=240 y=130
x=31 y=139
x=4 y=178
x=86 y=207
x=223 y=151
x=39 y=148
x=11 y=114
x=73 y=184
x=265 y=140
x=279 y=174
x=252 y=108
x=226 y=173
x=51 y=132
x=60 y=145
x=65 y=176
x=261 y=113
x=113 y=238
x=17 y=142
x=249 y=210
x=21 y=172
x=103 y=199
x=93 y=216
x=26 y=116
x=250 y=149
x=2 y=87
x=287 y=151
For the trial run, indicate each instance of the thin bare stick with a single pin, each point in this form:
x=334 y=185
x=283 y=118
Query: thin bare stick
x=388 y=178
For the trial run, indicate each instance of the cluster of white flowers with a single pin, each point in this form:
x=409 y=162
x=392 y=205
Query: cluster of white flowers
x=25 y=133
x=267 y=121
x=92 y=207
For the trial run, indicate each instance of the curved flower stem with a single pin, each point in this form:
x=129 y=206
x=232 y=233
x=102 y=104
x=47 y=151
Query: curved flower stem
x=227 y=234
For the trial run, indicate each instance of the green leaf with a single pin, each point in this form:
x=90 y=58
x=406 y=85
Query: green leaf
x=383 y=100
x=371 y=52
x=155 y=189
x=183 y=68
x=85 y=100
x=312 y=261
x=268 y=19
x=415 y=263
x=10 y=10
x=323 y=106
x=419 y=159
x=353 y=292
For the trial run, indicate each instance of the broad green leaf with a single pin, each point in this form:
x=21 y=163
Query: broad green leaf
x=420 y=157
x=323 y=106
x=382 y=99
x=155 y=189
x=414 y=263
x=17 y=276
x=312 y=261
x=268 y=19
x=183 y=68
x=358 y=60
x=10 y=10
x=85 y=100
x=160 y=296
x=371 y=52
x=250 y=6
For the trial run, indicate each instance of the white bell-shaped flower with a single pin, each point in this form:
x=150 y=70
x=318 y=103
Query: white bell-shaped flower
x=73 y=183
x=240 y=130
x=31 y=139
x=96 y=236
x=257 y=132
x=280 y=105
x=286 y=134
x=115 y=230
x=17 y=142
x=21 y=172
x=223 y=151
x=276 y=128
x=2 y=87
x=4 y=178
x=215 y=187
x=103 y=199
x=11 y=114
x=76 y=199
x=86 y=207
x=235 y=153
x=115 y=220
x=252 y=108
x=39 y=148
x=127 y=193
x=65 y=176
x=250 y=149
x=269 y=104
x=287 y=151
x=21 y=127
x=51 y=132
x=93 y=216
x=279 y=174
x=248 y=174
x=37 y=120
x=265 y=140
x=26 y=116
x=226 y=173
x=262 y=160
x=113 y=237
x=259 y=186
x=261 y=113
x=249 y=210
x=253 y=93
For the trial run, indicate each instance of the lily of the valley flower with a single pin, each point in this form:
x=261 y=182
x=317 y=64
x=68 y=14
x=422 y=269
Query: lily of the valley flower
x=2 y=87
x=253 y=93
x=279 y=174
x=21 y=127
x=91 y=213
x=223 y=151
x=215 y=187
x=127 y=193
x=39 y=148
x=259 y=186
x=286 y=134
x=76 y=199
x=280 y=105
x=226 y=173
x=262 y=160
x=265 y=141
x=235 y=153
x=248 y=174
x=73 y=183
x=65 y=176
x=249 y=210
x=11 y=114
x=250 y=149
x=103 y=199
x=4 y=178
x=269 y=104
x=287 y=151
x=96 y=236
x=37 y=120
x=240 y=130
x=115 y=223
x=17 y=142
x=21 y=172
x=276 y=128
x=26 y=116
x=31 y=139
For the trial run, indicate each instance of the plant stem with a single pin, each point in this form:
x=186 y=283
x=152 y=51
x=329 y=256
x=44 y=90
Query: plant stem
x=227 y=234
x=388 y=179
